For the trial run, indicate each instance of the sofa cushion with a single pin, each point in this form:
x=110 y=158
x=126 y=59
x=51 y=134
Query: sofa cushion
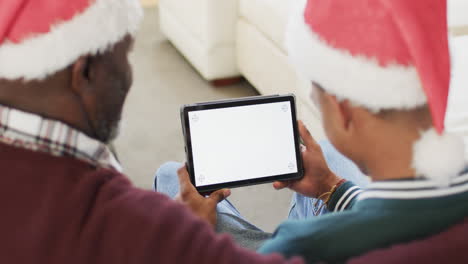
x=268 y=16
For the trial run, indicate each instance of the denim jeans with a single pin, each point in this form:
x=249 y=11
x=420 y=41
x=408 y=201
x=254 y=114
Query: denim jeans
x=231 y=221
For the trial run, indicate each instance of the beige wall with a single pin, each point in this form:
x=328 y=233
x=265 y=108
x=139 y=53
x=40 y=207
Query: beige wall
x=461 y=30
x=149 y=2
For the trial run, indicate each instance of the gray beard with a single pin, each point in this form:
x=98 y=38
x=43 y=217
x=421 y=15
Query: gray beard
x=108 y=132
x=114 y=131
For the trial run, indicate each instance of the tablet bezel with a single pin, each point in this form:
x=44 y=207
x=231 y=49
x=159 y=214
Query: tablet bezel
x=235 y=103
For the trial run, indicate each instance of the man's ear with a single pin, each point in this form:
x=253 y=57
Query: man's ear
x=346 y=110
x=81 y=74
x=341 y=110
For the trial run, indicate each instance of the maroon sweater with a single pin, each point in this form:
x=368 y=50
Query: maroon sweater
x=61 y=210
x=447 y=247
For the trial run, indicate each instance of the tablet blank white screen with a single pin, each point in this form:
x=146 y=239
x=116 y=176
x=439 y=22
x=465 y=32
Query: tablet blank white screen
x=240 y=143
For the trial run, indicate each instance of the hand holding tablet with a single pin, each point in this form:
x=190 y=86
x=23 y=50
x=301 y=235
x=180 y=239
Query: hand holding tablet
x=318 y=178
x=242 y=142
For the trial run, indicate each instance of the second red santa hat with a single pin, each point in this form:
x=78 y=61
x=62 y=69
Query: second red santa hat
x=382 y=54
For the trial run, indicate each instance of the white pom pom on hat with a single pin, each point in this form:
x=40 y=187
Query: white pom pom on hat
x=382 y=54
x=439 y=157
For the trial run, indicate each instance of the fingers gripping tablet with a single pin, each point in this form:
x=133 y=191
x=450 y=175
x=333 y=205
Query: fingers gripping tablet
x=241 y=142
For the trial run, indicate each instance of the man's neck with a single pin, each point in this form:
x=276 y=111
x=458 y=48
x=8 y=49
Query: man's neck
x=392 y=158
x=47 y=98
x=391 y=171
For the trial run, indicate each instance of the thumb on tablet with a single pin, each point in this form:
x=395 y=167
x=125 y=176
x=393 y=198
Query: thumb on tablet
x=309 y=141
x=278 y=185
x=220 y=195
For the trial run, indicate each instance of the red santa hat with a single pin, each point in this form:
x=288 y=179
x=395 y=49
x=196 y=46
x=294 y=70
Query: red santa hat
x=41 y=37
x=382 y=54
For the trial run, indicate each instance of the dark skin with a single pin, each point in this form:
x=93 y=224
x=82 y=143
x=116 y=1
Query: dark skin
x=88 y=95
x=204 y=207
x=380 y=144
x=318 y=178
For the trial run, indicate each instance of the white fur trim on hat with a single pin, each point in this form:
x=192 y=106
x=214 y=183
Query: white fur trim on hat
x=101 y=25
x=439 y=157
x=356 y=78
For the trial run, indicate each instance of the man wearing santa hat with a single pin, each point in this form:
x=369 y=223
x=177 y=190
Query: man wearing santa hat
x=64 y=76
x=379 y=71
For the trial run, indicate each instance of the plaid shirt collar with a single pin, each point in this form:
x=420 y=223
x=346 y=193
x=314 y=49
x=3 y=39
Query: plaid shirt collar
x=32 y=132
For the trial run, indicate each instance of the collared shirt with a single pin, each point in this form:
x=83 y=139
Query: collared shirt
x=415 y=189
x=348 y=194
x=33 y=132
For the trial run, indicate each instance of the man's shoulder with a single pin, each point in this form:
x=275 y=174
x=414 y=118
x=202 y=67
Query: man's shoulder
x=319 y=238
x=62 y=170
x=294 y=233
x=316 y=224
x=341 y=235
x=100 y=192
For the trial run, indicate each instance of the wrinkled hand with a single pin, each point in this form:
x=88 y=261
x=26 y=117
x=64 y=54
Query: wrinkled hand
x=318 y=178
x=203 y=207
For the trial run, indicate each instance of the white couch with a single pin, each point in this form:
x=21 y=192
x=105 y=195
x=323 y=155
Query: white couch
x=222 y=38
x=204 y=32
x=456 y=119
x=262 y=57
x=458 y=17
x=226 y=38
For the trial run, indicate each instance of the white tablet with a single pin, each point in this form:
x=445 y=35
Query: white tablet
x=241 y=142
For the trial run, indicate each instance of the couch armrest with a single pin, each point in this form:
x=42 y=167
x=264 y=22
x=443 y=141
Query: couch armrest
x=204 y=31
